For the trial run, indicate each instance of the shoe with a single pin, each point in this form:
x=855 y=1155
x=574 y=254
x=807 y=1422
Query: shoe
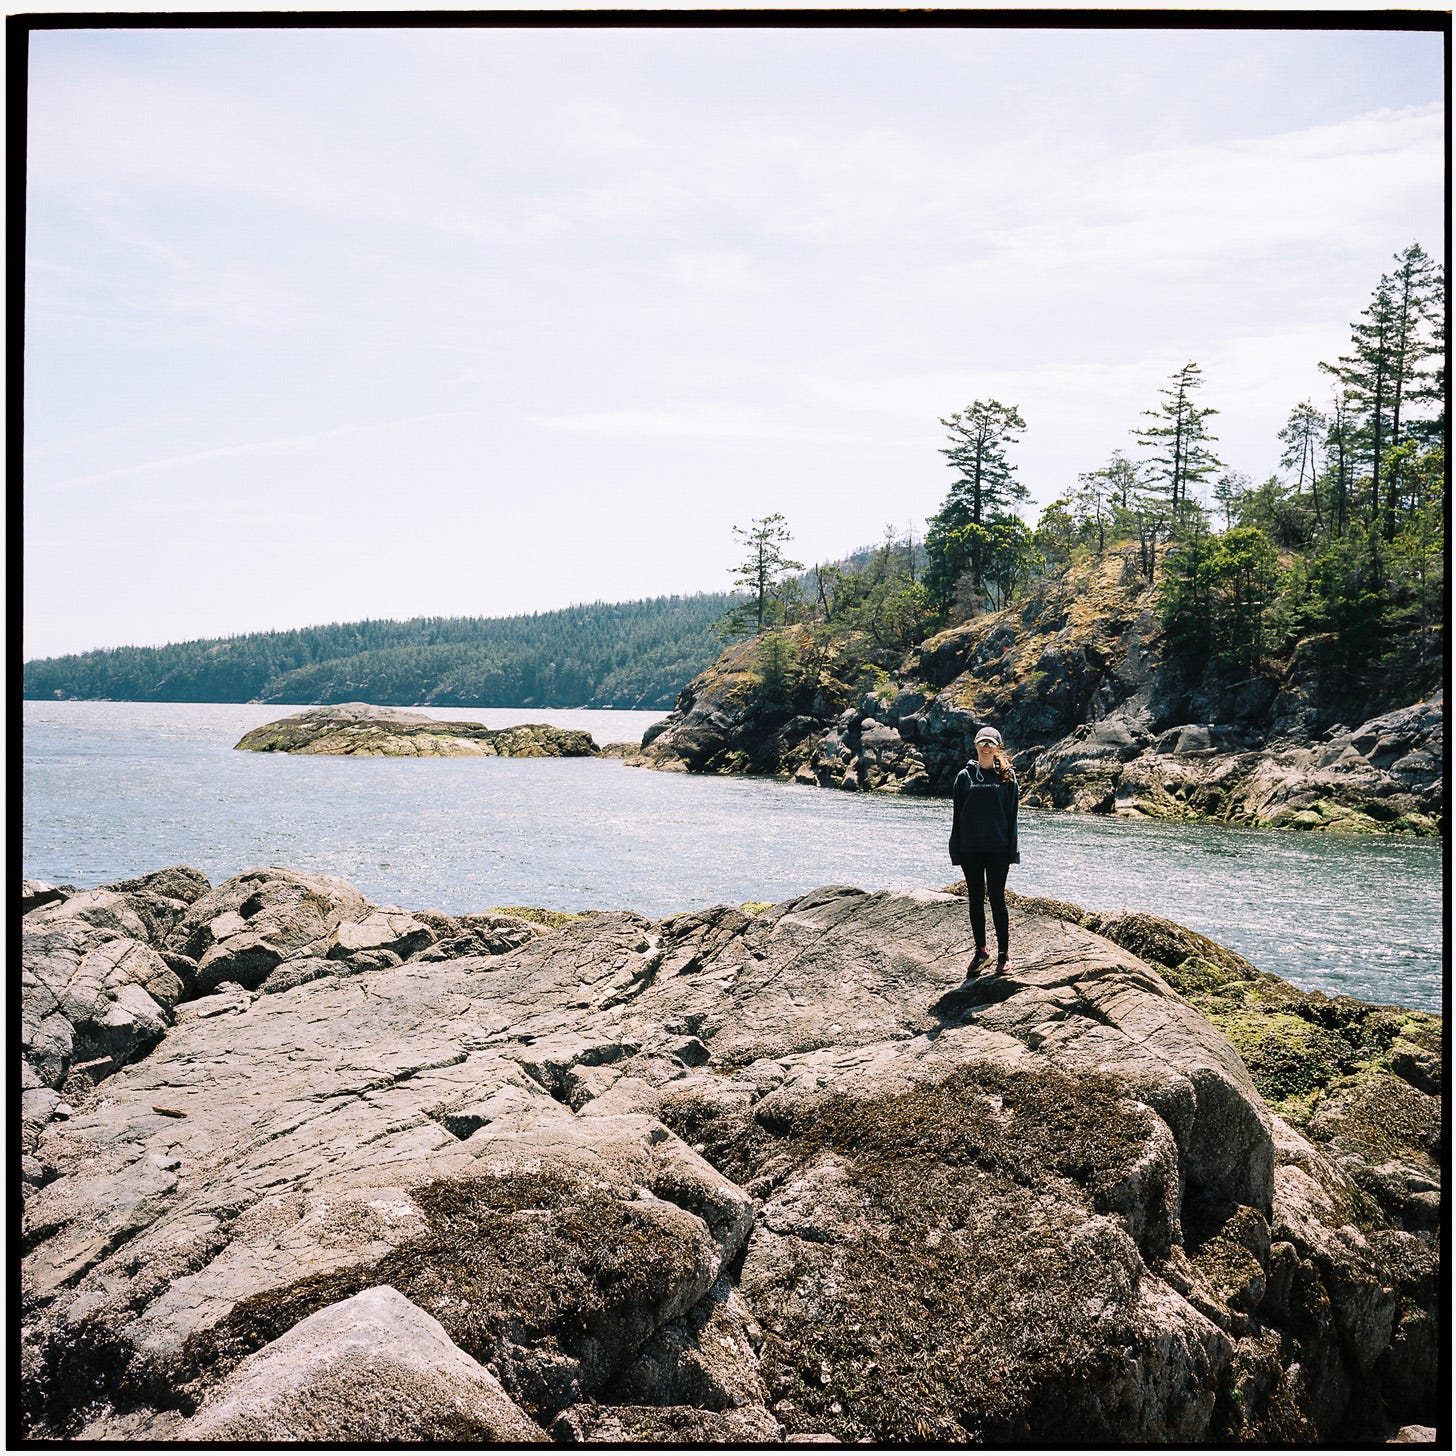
x=1003 y=966
x=978 y=960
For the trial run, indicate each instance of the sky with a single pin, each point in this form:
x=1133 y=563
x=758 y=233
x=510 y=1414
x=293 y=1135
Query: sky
x=325 y=324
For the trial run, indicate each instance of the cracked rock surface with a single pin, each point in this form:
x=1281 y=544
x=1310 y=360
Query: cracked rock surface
x=716 y=1178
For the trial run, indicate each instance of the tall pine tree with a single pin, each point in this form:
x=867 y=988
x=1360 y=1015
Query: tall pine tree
x=762 y=574
x=985 y=485
x=1301 y=438
x=1390 y=344
x=1180 y=439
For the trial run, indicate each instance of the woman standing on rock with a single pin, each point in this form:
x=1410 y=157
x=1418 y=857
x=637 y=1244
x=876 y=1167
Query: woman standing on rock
x=983 y=841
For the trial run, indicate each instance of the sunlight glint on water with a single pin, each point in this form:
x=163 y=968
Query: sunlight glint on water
x=117 y=789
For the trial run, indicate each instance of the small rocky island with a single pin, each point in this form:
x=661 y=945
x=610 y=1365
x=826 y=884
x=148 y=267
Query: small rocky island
x=363 y=730
x=299 y=1167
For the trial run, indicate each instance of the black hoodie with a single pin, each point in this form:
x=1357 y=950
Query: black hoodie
x=985 y=814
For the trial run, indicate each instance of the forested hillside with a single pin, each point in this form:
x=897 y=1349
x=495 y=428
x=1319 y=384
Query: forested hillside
x=625 y=655
x=1337 y=554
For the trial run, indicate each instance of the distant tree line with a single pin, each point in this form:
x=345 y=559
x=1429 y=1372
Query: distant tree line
x=625 y=655
x=1346 y=538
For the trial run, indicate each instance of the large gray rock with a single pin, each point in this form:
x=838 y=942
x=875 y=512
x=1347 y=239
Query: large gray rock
x=162 y=897
x=35 y=893
x=361 y=729
x=371 y=1368
x=387 y=929
x=106 y=911
x=89 y=1004
x=716 y=1176
x=254 y=921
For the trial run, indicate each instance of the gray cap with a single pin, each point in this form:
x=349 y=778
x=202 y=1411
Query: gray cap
x=989 y=735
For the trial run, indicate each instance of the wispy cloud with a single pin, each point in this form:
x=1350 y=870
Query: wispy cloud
x=767 y=258
x=247 y=447
x=699 y=422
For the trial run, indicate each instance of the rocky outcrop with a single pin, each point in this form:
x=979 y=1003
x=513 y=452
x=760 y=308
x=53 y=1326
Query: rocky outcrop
x=1384 y=775
x=97 y=988
x=1095 y=720
x=306 y=1385
x=360 y=729
x=727 y=1177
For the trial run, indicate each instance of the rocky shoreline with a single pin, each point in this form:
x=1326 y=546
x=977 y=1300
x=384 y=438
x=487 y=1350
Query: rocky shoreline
x=1096 y=721
x=364 y=730
x=301 y=1167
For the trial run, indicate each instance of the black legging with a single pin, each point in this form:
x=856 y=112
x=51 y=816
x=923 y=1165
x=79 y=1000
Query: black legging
x=988 y=870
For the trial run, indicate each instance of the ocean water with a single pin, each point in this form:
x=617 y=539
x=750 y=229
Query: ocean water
x=112 y=790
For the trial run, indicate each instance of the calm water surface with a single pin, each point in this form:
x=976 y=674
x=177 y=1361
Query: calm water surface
x=118 y=789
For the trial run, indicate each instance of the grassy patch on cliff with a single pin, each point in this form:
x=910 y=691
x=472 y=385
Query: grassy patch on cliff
x=1043 y=652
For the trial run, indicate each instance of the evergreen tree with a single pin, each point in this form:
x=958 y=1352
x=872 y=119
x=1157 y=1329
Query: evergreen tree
x=1108 y=500
x=1011 y=557
x=1301 y=438
x=985 y=484
x=1185 y=598
x=1059 y=532
x=1390 y=343
x=1180 y=438
x=1338 y=479
x=1229 y=493
x=776 y=669
x=1365 y=374
x=1430 y=429
x=1417 y=294
x=1244 y=577
x=1092 y=506
x=1216 y=596
x=763 y=574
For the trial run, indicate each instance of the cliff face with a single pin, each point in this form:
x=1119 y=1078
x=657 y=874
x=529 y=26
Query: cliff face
x=299 y=1167
x=1095 y=718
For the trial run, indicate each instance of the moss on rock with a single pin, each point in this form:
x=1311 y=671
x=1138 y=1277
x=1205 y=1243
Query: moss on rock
x=516 y=1268
x=551 y=919
x=899 y=1334
x=1286 y=1055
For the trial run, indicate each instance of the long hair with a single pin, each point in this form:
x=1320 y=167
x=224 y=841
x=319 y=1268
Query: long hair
x=1002 y=760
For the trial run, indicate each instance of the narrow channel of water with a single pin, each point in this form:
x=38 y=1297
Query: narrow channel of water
x=118 y=789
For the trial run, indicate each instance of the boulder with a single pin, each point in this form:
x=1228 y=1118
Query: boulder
x=105 y=911
x=383 y=929
x=114 y=996
x=162 y=898
x=371 y=1368
x=254 y=921
x=35 y=893
x=89 y=1004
